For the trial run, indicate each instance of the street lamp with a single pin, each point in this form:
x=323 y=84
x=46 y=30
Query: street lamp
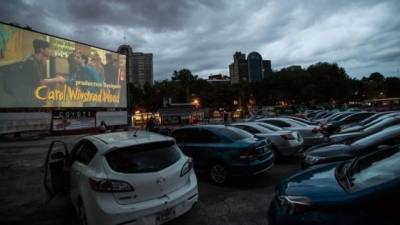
x=196 y=102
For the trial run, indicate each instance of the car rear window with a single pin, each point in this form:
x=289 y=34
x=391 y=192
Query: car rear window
x=234 y=133
x=143 y=158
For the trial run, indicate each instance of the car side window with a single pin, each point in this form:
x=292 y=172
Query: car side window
x=86 y=152
x=206 y=136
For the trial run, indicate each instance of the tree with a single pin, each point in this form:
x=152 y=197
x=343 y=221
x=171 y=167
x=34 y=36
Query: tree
x=331 y=82
x=185 y=77
x=377 y=77
x=392 y=87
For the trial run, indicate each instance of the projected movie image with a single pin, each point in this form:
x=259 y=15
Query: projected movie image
x=38 y=70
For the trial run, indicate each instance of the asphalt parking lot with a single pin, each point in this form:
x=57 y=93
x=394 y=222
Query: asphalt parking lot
x=244 y=201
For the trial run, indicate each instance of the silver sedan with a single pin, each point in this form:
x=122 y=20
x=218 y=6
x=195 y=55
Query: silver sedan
x=284 y=142
x=311 y=134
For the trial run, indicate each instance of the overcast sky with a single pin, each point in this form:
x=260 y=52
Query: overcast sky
x=202 y=35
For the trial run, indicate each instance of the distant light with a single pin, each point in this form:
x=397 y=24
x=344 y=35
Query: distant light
x=196 y=102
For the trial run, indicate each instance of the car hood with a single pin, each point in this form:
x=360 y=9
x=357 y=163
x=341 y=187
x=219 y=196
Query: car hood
x=318 y=183
x=331 y=151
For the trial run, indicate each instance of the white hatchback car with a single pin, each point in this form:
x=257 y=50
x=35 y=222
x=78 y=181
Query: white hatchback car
x=127 y=178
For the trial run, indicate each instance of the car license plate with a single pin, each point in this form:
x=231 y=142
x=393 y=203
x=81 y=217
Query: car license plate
x=166 y=215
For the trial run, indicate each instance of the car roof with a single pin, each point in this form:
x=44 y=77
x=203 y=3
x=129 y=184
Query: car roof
x=127 y=138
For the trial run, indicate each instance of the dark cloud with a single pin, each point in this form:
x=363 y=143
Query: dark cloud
x=202 y=35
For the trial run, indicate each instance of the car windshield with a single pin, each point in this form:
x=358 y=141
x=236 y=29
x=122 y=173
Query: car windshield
x=270 y=127
x=375 y=121
x=143 y=158
x=372 y=118
x=234 y=133
x=378 y=126
x=372 y=139
x=340 y=116
x=304 y=121
x=260 y=128
x=298 y=122
x=331 y=115
x=375 y=169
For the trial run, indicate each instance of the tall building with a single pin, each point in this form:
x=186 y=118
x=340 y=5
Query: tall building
x=238 y=69
x=254 y=62
x=139 y=66
x=266 y=67
x=254 y=68
x=127 y=50
x=142 y=66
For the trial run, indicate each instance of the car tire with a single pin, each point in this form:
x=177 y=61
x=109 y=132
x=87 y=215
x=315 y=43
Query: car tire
x=218 y=174
x=82 y=213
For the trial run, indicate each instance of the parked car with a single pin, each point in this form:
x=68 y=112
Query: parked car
x=369 y=121
x=338 y=152
x=124 y=177
x=310 y=114
x=373 y=128
x=224 y=151
x=284 y=143
x=334 y=117
x=310 y=134
x=253 y=117
x=308 y=122
x=321 y=114
x=365 y=190
x=335 y=126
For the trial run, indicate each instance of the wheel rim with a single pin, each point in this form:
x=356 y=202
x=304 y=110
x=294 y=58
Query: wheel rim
x=218 y=174
x=82 y=215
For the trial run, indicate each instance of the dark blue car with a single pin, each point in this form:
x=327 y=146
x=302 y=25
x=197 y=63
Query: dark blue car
x=365 y=190
x=224 y=151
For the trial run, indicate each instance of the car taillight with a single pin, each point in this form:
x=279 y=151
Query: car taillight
x=187 y=167
x=248 y=153
x=106 y=185
x=288 y=136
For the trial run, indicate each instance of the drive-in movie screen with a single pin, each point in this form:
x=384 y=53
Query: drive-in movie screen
x=37 y=70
